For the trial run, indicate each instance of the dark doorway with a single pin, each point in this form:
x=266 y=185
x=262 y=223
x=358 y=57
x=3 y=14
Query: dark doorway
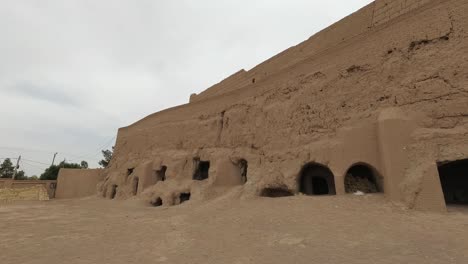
x=243 y=165
x=161 y=174
x=157 y=202
x=202 y=169
x=320 y=186
x=361 y=177
x=316 y=179
x=184 y=197
x=454 y=179
x=113 y=191
x=135 y=184
x=276 y=192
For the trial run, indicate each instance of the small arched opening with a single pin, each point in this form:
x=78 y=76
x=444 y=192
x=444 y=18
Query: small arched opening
x=135 y=183
x=157 y=202
x=316 y=179
x=202 y=169
x=454 y=180
x=243 y=166
x=183 y=197
x=362 y=178
x=113 y=191
x=276 y=192
x=161 y=174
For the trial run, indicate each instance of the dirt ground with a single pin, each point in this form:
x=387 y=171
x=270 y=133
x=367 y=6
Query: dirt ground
x=299 y=229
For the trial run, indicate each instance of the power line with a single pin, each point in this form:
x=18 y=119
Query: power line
x=98 y=151
x=38 y=162
x=33 y=161
x=90 y=155
x=25 y=149
x=32 y=165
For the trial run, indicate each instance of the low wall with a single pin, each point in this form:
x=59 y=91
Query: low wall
x=49 y=186
x=33 y=193
x=77 y=183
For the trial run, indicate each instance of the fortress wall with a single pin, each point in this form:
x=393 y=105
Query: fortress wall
x=224 y=86
x=385 y=10
x=347 y=28
x=374 y=14
x=329 y=108
x=77 y=183
x=200 y=122
x=350 y=26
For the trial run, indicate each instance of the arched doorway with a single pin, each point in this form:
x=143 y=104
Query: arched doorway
x=316 y=179
x=363 y=178
x=202 y=169
x=161 y=174
x=243 y=166
x=113 y=192
x=454 y=179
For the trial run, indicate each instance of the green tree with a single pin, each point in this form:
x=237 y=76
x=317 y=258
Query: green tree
x=7 y=169
x=52 y=172
x=21 y=176
x=34 y=178
x=84 y=164
x=107 y=157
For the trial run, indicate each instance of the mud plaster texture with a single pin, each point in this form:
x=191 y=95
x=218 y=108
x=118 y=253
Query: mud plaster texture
x=386 y=87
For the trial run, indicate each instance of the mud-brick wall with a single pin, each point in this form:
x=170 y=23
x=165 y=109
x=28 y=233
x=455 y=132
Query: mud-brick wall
x=385 y=10
x=49 y=186
x=77 y=183
x=358 y=23
x=34 y=193
x=238 y=79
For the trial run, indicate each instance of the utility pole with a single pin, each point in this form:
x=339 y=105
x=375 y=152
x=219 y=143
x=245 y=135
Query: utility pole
x=16 y=168
x=53 y=160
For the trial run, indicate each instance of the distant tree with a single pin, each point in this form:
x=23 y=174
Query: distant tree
x=84 y=164
x=107 y=157
x=34 y=178
x=21 y=176
x=52 y=172
x=7 y=169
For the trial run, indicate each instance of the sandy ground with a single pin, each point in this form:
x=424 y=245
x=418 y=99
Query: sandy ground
x=341 y=229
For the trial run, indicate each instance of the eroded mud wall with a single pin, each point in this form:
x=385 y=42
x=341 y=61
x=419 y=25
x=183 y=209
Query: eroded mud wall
x=326 y=106
x=366 y=19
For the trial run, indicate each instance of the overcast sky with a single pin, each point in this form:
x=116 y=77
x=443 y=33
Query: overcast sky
x=73 y=72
